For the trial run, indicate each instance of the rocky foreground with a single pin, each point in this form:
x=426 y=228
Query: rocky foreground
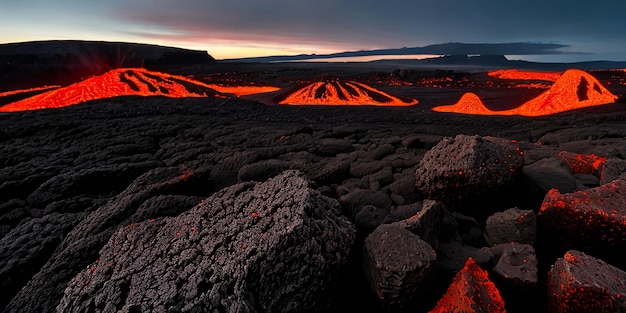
x=218 y=205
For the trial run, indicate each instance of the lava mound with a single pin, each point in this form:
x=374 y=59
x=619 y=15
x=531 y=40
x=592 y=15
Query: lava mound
x=118 y=82
x=337 y=92
x=575 y=89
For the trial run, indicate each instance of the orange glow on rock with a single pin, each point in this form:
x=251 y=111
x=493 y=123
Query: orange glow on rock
x=471 y=291
x=583 y=163
x=525 y=75
x=592 y=216
x=575 y=89
x=336 y=92
x=118 y=82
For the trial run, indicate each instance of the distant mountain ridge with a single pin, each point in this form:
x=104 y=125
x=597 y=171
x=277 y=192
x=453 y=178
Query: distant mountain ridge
x=62 y=62
x=452 y=48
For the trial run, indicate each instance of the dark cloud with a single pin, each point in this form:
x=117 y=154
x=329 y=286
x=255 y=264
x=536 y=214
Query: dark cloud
x=365 y=24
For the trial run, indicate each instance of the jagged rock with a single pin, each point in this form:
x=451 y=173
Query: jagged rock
x=81 y=245
x=261 y=171
x=578 y=282
x=546 y=174
x=471 y=291
x=427 y=222
x=613 y=169
x=398 y=264
x=583 y=163
x=588 y=220
x=516 y=269
x=26 y=247
x=468 y=167
x=268 y=247
x=511 y=225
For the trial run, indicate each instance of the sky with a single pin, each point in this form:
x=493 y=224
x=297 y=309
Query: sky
x=593 y=30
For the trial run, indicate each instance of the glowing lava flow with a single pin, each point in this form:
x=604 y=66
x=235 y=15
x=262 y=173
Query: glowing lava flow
x=524 y=75
x=16 y=92
x=575 y=89
x=469 y=103
x=118 y=82
x=242 y=90
x=342 y=93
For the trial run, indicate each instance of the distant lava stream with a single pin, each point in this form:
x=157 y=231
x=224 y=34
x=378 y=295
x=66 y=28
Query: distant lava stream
x=575 y=89
x=337 y=92
x=128 y=82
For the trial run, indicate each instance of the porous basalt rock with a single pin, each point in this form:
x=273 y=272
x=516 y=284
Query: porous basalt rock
x=398 y=264
x=468 y=168
x=578 y=282
x=268 y=247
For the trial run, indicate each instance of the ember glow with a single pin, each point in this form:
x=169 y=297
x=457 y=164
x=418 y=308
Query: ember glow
x=575 y=89
x=336 y=92
x=471 y=291
x=525 y=75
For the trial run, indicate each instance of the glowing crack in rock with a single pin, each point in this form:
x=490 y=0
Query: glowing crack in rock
x=336 y=92
x=127 y=82
x=575 y=89
x=525 y=75
x=471 y=291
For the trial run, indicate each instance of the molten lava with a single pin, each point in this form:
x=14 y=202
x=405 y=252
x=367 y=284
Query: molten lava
x=242 y=90
x=524 y=75
x=575 y=89
x=338 y=92
x=469 y=103
x=471 y=291
x=118 y=82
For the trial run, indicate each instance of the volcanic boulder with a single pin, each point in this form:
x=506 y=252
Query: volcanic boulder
x=468 y=168
x=589 y=220
x=578 y=282
x=511 y=225
x=272 y=247
x=398 y=264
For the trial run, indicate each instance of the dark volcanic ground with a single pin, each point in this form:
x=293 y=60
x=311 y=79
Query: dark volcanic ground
x=71 y=178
